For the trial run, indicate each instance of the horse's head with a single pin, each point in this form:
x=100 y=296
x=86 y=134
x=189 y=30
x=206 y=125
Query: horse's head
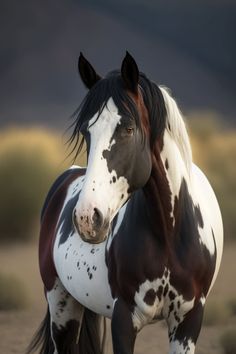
x=114 y=119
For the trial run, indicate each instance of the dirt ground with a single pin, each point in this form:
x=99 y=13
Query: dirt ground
x=17 y=327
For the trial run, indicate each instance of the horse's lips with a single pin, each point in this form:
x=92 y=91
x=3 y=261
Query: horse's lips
x=94 y=240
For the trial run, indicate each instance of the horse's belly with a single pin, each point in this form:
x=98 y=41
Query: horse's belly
x=82 y=269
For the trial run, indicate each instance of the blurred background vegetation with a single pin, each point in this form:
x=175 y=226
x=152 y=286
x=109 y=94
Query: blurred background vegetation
x=31 y=159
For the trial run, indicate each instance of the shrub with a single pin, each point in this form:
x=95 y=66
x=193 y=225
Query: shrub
x=228 y=341
x=30 y=160
x=12 y=293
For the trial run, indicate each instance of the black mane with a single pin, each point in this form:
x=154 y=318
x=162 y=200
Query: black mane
x=112 y=86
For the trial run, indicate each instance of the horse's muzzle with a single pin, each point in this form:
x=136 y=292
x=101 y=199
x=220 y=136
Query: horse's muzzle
x=92 y=228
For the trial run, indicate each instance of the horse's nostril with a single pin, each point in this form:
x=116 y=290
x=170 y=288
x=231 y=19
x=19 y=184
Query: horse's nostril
x=97 y=218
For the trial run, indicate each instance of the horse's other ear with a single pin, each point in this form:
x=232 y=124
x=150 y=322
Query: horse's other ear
x=130 y=73
x=87 y=73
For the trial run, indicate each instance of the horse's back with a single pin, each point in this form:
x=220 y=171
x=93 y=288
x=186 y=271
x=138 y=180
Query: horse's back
x=212 y=230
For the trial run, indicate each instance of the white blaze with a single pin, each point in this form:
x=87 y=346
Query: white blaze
x=102 y=188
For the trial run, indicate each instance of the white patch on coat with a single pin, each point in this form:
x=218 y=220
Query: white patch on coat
x=73 y=167
x=177 y=151
x=102 y=189
x=176 y=128
x=204 y=196
x=177 y=148
x=82 y=269
x=176 y=168
x=203 y=300
x=177 y=347
x=63 y=307
x=73 y=189
x=144 y=313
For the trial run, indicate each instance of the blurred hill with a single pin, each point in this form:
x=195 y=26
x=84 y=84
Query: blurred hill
x=188 y=46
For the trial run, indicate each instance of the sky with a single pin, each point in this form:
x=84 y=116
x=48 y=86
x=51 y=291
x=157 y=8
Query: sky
x=41 y=42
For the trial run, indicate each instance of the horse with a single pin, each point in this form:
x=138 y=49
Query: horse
x=137 y=235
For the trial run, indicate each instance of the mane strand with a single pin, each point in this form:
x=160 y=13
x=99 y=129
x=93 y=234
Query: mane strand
x=176 y=127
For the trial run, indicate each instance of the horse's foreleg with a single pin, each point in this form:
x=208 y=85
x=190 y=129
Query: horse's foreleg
x=66 y=318
x=123 y=332
x=183 y=335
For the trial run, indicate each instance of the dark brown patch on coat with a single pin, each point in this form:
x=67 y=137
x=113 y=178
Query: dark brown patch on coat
x=145 y=230
x=158 y=195
x=198 y=215
x=192 y=266
x=150 y=297
x=190 y=327
x=166 y=164
x=159 y=292
x=176 y=248
x=147 y=235
x=123 y=331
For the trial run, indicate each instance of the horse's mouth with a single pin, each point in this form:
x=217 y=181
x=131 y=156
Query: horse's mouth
x=90 y=233
x=94 y=239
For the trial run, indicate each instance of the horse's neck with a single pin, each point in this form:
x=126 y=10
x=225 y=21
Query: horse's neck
x=163 y=188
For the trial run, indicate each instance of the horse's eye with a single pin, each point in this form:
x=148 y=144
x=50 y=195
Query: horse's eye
x=130 y=131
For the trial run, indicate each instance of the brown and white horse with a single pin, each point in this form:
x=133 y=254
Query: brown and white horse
x=136 y=236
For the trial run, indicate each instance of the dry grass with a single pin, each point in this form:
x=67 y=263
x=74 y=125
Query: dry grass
x=228 y=341
x=216 y=313
x=12 y=293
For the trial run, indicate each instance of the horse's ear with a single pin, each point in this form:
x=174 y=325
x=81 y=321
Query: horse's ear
x=130 y=73
x=87 y=73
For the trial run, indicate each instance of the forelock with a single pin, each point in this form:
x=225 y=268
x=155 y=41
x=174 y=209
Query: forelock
x=112 y=86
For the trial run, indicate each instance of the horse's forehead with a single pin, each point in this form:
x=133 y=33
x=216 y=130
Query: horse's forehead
x=111 y=106
x=109 y=117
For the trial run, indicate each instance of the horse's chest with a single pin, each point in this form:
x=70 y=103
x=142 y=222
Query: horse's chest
x=82 y=269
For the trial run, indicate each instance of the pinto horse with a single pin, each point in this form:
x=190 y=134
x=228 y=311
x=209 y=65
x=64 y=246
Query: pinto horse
x=136 y=236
